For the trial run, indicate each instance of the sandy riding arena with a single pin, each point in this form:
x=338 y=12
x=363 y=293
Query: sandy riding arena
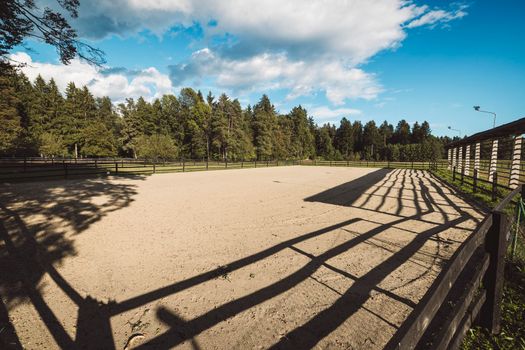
x=283 y=258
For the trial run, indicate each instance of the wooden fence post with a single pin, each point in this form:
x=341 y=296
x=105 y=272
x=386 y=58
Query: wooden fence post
x=255 y=163
x=467 y=160
x=207 y=161
x=493 y=159
x=153 y=167
x=514 y=179
x=494 y=186
x=453 y=173
x=116 y=167
x=226 y=163
x=475 y=181
x=65 y=170
x=496 y=246
x=183 y=165
x=460 y=159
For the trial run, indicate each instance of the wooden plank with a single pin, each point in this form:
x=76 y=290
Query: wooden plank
x=496 y=246
x=425 y=311
x=501 y=205
x=446 y=334
x=467 y=321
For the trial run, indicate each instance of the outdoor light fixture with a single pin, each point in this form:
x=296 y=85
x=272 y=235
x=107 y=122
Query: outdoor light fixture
x=477 y=109
x=458 y=131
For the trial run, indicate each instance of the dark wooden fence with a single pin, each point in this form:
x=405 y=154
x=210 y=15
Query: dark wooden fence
x=478 y=292
x=497 y=186
x=27 y=169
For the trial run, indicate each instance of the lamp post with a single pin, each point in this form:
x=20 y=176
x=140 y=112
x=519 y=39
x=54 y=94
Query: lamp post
x=477 y=109
x=458 y=131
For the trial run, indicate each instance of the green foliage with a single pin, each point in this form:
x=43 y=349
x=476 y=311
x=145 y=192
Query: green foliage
x=264 y=124
x=156 y=147
x=512 y=336
x=98 y=141
x=198 y=127
x=21 y=19
x=9 y=116
x=52 y=145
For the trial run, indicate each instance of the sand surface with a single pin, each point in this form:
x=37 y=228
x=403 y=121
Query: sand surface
x=285 y=258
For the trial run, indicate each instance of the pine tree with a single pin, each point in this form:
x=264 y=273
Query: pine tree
x=325 y=147
x=371 y=140
x=264 y=124
x=303 y=140
x=402 y=133
x=344 y=139
x=9 y=116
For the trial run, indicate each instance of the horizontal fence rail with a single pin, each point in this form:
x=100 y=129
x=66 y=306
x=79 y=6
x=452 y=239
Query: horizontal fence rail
x=27 y=169
x=480 y=262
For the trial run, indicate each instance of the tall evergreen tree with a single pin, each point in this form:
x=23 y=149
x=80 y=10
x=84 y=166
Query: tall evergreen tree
x=402 y=133
x=371 y=140
x=9 y=116
x=302 y=139
x=264 y=124
x=344 y=139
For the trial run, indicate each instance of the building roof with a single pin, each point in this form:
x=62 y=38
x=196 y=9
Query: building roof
x=516 y=127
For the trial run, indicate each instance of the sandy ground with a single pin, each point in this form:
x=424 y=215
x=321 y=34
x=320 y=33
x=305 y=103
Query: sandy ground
x=288 y=257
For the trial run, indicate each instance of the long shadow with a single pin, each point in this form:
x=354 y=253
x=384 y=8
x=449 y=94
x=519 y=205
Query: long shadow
x=29 y=250
x=350 y=191
x=353 y=189
x=325 y=322
x=25 y=253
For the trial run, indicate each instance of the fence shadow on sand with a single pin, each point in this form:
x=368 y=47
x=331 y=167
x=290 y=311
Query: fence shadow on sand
x=418 y=197
x=30 y=248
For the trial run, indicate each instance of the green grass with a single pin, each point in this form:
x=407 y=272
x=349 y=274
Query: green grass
x=512 y=335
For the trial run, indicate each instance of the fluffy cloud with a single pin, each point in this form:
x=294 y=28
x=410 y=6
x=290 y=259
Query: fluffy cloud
x=276 y=71
x=434 y=17
x=302 y=46
x=325 y=114
x=354 y=30
x=114 y=83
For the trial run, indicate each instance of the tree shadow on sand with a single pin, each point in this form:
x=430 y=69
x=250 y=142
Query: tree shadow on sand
x=38 y=224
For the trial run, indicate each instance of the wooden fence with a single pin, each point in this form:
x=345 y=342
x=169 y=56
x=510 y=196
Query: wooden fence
x=480 y=262
x=479 y=184
x=27 y=169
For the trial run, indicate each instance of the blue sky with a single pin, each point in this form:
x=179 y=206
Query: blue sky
x=381 y=60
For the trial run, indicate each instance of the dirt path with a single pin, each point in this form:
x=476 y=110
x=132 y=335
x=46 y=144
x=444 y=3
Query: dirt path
x=288 y=257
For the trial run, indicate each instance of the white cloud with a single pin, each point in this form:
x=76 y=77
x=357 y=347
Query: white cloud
x=326 y=114
x=434 y=17
x=149 y=82
x=354 y=30
x=301 y=46
x=276 y=71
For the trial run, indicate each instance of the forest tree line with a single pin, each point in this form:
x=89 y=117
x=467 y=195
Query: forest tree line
x=38 y=120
